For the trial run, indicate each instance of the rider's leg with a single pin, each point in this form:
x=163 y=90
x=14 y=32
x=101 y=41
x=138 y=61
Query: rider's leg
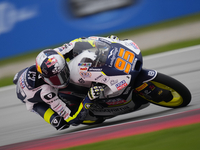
x=50 y=116
x=152 y=92
x=79 y=116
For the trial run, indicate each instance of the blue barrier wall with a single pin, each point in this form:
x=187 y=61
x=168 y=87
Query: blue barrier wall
x=29 y=25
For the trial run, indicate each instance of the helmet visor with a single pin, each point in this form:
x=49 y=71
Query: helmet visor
x=59 y=80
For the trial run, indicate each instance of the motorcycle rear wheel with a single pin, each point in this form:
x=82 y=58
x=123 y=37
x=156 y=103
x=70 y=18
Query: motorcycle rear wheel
x=181 y=94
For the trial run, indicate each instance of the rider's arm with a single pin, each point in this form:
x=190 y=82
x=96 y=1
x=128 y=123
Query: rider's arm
x=49 y=96
x=66 y=50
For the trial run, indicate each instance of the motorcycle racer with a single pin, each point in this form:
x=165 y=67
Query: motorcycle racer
x=37 y=86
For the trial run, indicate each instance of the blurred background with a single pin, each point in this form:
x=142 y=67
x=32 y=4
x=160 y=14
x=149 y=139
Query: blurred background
x=29 y=25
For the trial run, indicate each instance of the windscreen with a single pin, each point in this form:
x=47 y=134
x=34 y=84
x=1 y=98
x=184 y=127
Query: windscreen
x=100 y=50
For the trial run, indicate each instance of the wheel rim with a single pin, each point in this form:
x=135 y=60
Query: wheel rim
x=177 y=98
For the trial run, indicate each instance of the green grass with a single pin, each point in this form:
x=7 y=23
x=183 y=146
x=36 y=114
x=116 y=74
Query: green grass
x=22 y=57
x=6 y=81
x=179 y=138
x=171 y=46
x=161 y=25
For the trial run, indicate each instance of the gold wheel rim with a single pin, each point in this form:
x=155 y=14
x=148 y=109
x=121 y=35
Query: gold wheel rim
x=177 y=98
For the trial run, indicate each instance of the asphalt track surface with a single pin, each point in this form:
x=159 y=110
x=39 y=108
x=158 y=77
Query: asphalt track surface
x=18 y=125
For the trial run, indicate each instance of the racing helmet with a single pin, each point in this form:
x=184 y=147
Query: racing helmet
x=53 y=68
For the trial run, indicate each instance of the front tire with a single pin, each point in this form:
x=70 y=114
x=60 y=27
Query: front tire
x=181 y=94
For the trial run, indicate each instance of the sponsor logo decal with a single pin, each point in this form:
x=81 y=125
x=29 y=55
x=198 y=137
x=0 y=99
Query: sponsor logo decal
x=115 y=101
x=85 y=68
x=21 y=81
x=87 y=105
x=93 y=37
x=121 y=85
x=95 y=69
x=113 y=110
x=111 y=53
x=112 y=82
x=51 y=61
x=49 y=96
x=112 y=59
x=85 y=74
x=106 y=79
x=81 y=81
x=151 y=73
x=141 y=87
x=85 y=64
x=56 y=70
x=98 y=77
x=135 y=45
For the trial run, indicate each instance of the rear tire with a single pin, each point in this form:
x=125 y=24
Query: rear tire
x=181 y=94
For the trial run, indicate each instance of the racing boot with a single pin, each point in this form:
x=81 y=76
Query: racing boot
x=151 y=92
x=50 y=116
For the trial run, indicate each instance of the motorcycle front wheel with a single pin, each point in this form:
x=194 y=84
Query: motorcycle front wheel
x=181 y=94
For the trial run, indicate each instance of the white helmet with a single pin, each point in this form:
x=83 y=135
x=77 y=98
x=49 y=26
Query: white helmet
x=53 y=68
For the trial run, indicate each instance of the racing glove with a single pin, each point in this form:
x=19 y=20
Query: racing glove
x=95 y=92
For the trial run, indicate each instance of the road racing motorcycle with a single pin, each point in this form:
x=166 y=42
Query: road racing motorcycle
x=117 y=66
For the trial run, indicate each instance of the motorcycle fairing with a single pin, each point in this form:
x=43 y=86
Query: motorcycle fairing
x=87 y=74
x=145 y=75
x=96 y=62
x=114 y=64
